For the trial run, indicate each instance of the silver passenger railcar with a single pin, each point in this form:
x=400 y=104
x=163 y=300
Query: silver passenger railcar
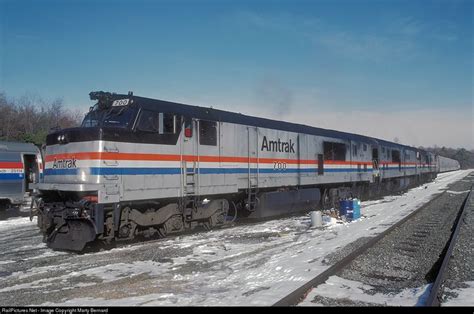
x=20 y=165
x=447 y=164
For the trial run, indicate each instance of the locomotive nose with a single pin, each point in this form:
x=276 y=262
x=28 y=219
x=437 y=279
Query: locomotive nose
x=71 y=155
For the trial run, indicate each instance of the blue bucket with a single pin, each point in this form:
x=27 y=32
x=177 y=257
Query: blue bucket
x=355 y=208
x=345 y=206
x=353 y=211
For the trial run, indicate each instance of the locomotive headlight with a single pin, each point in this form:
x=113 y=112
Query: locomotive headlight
x=83 y=176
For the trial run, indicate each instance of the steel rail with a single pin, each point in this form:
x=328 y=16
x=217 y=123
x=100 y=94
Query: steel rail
x=300 y=293
x=433 y=298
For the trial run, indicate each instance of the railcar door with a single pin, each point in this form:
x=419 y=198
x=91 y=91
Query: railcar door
x=211 y=175
x=189 y=159
x=30 y=165
x=375 y=161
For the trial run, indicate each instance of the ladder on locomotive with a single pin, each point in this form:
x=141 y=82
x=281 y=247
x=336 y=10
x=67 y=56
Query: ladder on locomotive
x=252 y=190
x=190 y=193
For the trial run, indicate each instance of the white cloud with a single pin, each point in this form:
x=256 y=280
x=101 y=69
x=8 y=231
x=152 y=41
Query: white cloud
x=397 y=37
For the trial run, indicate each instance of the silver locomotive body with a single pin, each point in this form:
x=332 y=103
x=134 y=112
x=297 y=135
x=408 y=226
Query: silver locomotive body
x=140 y=166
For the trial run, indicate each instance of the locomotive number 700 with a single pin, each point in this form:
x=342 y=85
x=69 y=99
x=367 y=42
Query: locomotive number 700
x=279 y=165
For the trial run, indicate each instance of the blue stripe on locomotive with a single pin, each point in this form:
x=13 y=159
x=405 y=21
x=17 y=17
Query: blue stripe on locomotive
x=174 y=171
x=11 y=176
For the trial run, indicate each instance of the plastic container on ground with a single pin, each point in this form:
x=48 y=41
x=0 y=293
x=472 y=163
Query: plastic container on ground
x=349 y=208
x=344 y=206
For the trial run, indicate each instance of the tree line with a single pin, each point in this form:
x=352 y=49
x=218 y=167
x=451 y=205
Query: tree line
x=30 y=118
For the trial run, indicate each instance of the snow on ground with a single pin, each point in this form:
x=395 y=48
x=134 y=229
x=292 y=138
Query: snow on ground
x=359 y=292
x=464 y=296
x=253 y=264
x=14 y=223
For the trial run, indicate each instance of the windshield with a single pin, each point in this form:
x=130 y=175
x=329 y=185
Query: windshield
x=114 y=117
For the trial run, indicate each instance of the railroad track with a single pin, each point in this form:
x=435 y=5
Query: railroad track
x=435 y=292
x=406 y=247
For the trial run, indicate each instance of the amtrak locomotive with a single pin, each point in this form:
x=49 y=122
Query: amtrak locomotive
x=144 y=167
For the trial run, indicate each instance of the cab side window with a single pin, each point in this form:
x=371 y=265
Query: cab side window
x=169 y=123
x=148 y=121
x=156 y=122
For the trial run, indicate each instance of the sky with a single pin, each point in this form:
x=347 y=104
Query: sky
x=388 y=69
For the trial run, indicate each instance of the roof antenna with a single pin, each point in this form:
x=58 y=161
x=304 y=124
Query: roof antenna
x=130 y=93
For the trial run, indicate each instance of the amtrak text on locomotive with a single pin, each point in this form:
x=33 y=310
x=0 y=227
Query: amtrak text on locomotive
x=278 y=146
x=64 y=163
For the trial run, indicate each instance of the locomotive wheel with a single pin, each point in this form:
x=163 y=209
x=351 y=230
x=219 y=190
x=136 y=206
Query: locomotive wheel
x=162 y=232
x=127 y=231
x=326 y=200
x=207 y=225
x=173 y=224
x=216 y=219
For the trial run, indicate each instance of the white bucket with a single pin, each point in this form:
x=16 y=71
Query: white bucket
x=316 y=219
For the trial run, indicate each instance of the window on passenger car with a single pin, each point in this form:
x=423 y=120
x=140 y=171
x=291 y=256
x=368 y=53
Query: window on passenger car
x=365 y=147
x=395 y=156
x=334 y=151
x=407 y=155
x=207 y=133
x=354 y=149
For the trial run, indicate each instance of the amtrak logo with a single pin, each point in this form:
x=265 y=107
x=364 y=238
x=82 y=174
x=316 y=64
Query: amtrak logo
x=277 y=146
x=64 y=163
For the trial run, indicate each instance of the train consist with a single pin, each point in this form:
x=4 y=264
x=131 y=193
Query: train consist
x=447 y=164
x=145 y=167
x=20 y=165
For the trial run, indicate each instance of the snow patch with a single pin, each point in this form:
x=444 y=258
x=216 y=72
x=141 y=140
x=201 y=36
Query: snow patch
x=464 y=296
x=339 y=288
x=458 y=192
x=13 y=223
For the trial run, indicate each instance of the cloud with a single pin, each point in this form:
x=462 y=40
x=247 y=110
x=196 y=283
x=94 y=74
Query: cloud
x=406 y=25
x=369 y=47
x=398 y=37
x=281 y=22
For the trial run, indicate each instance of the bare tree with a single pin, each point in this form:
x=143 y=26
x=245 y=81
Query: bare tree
x=30 y=118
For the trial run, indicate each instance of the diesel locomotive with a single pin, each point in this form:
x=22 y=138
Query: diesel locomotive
x=145 y=167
